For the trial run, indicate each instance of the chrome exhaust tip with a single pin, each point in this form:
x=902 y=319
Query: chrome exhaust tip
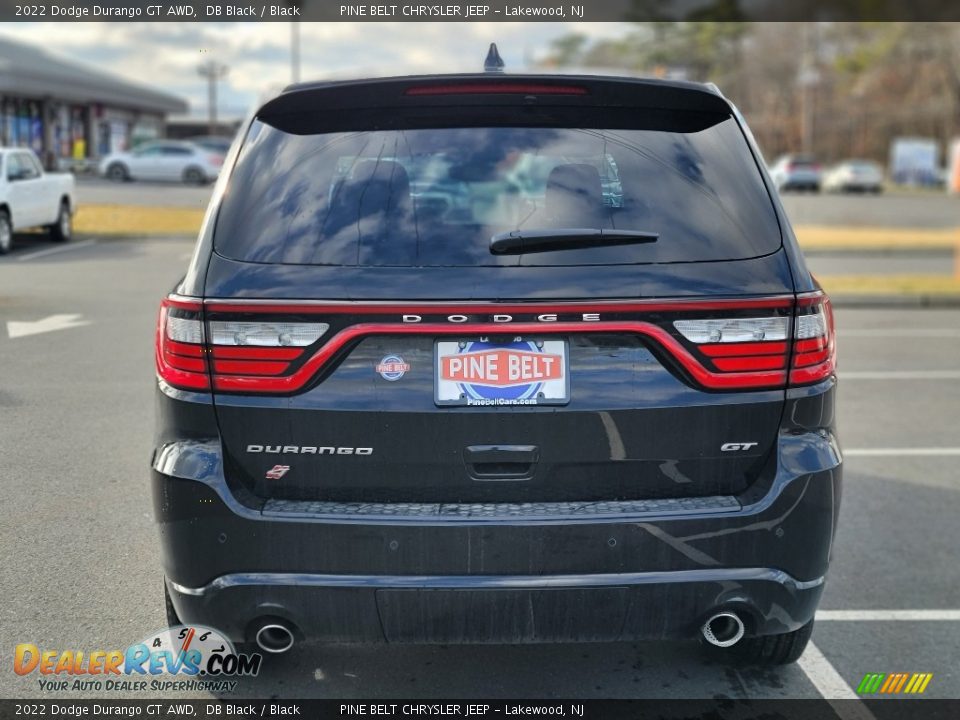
x=274 y=638
x=723 y=629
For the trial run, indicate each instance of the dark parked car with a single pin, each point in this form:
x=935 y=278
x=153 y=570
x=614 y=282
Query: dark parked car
x=408 y=393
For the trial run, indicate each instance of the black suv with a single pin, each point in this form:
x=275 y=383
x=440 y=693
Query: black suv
x=497 y=358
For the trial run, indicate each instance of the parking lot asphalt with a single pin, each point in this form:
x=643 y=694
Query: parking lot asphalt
x=81 y=567
x=99 y=191
x=894 y=209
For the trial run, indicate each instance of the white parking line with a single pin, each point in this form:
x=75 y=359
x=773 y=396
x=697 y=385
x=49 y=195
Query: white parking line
x=902 y=452
x=825 y=678
x=54 y=250
x=900 y=375
x=888 y=615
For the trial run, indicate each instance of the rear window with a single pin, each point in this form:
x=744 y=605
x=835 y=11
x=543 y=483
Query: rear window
x=435 y=197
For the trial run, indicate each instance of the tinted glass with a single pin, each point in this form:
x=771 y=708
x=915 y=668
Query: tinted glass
x=435 y=197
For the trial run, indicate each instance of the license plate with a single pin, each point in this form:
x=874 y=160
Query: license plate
x=481 y=372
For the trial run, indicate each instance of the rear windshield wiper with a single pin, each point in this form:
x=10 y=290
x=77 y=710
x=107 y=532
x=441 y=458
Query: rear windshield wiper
x=517 y=242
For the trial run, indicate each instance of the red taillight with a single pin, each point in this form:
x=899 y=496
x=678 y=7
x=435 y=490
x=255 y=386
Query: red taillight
x=496 y=89
x=750 y=351
x=814 y=346
x=180 y=352
x=251 y=353
x=240 y=353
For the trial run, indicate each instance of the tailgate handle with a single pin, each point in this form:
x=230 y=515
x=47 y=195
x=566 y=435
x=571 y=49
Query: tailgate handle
x=501 y=462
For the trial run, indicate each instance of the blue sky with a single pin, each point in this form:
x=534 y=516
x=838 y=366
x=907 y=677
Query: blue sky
x=166 y=55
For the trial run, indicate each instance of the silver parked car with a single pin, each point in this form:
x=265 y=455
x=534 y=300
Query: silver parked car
x=796 y=172
x=214 y=143
x=854 y=176
x=164 y=160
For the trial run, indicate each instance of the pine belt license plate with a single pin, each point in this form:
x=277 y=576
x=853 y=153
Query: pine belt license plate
x=480 y=372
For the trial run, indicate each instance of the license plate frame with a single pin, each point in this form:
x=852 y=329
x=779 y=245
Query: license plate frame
x=486 y=376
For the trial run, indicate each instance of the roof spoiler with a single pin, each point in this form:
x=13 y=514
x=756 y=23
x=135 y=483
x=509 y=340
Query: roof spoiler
x=481 y=90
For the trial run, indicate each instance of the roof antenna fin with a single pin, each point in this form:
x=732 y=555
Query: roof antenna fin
x=493 y=63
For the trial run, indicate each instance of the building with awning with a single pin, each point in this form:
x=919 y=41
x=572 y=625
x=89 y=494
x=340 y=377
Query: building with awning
x=71 y=114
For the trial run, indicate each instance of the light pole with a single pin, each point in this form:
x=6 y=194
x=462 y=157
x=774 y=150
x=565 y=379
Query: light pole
x=212 y=71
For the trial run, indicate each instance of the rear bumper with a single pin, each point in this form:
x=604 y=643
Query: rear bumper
x=500 y=609
x=642 y=570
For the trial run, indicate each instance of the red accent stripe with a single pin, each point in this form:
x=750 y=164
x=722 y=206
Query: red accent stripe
x=180 y=378
x=812 y=298
x=195 y=305
x=764 y=362
x=707 y=378
x=242 y=367
x=467 y=308
x=256 y=353
x=496 y=89
x=810 y=345
x=806 y=359
x=179 y=348
x=185 y=363
x=814 y=373
x=740 y=349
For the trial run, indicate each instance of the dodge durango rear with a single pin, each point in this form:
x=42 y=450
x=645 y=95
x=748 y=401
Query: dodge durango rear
x=497 y=359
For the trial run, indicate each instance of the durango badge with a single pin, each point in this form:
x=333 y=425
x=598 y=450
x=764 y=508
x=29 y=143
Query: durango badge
x=392 y=368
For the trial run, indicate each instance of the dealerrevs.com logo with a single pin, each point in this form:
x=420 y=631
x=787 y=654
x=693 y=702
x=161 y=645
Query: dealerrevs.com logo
x=183 y=657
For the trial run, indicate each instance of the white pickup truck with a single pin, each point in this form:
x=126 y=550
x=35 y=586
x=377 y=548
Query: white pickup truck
x=29 y=197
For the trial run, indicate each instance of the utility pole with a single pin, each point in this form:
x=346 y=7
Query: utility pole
x=213 y=71
x=297 y=6
x=295 y=51
x=808 y=78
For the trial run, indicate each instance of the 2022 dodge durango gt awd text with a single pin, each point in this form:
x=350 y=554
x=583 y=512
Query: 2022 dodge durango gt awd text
x=497 y=358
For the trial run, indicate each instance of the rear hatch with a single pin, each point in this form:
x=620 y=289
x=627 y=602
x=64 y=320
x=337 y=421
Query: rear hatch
x=497 y=290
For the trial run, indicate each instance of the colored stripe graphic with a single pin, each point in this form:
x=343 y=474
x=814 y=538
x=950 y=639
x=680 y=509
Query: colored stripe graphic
x=894 y=683
x=870 y=683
